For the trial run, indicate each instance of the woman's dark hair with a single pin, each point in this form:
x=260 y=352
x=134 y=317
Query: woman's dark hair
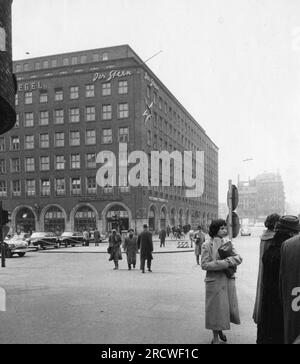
x=271 y=221
x=215 y=227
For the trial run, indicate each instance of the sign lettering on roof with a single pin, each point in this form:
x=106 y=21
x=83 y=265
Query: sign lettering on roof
x=111 y=75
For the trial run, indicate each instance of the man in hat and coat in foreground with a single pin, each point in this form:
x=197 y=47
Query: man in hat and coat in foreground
x=289 y=283
x=145 y=245
x=272 y=314
x=131 y=248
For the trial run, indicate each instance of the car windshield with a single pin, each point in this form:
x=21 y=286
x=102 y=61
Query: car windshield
x=16 y=238
x=67 y=233
x=37 y=235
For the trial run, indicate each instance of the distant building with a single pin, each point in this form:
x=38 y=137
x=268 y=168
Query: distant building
x=261 y=196
x=7 y=80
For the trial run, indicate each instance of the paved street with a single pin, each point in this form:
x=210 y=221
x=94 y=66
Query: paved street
x=58 y=296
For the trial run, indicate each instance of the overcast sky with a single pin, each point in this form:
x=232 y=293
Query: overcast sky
x=234 y=65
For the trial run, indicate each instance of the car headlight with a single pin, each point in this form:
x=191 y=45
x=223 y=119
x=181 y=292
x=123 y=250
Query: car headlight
x=11 y=246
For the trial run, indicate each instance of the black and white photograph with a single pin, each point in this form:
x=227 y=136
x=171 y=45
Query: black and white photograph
x=149 y=182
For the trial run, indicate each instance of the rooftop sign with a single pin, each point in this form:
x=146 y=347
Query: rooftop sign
x=111 y=75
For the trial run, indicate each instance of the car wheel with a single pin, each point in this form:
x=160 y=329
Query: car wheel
x=21 y=254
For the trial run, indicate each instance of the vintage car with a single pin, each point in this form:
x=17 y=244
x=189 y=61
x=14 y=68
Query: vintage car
x=43 y=240
x=245 y=231
x=71 y=238
x=15 y=245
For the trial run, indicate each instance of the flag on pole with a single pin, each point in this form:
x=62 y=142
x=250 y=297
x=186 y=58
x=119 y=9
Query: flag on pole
x=148 y=112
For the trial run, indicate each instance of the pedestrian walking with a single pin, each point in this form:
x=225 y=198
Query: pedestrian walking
x=265 y=242
x=145 y=245
x=115 y=242
x=289 y=285
x=221 y=305
x=199 y=239
x=86 y=238
x=97 y=237
x=168 y=231
x=272 y=322
x=130 y=247
x=162 y=237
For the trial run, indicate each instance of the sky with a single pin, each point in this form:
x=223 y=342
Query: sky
x=234 y=65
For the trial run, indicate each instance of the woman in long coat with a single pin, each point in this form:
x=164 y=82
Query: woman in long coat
x=115 y=242
x=221 y=305
x=265 y=242
x=131 y=248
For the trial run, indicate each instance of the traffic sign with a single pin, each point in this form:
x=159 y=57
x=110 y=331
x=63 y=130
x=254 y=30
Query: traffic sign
x=235 y=224
x=234 y=197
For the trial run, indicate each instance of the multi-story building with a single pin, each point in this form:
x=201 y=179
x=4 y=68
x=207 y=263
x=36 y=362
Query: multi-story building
x=7 y=80
x=261 y=196
x=72 y=106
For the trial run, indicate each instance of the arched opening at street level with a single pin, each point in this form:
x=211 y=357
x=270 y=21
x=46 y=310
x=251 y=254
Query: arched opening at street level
x=172 y=217
x=54 y=220
x=85 y=219
x=187 y=217
x=163 y=218
x=151 y=219
x=180 y=217
x=117 y=217
x=25 y=221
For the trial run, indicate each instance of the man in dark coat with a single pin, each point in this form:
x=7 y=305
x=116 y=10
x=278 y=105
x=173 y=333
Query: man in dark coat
x=130 y=248
x=162 y=237
x=145 y=245
x=272 y=312
x=289 y=283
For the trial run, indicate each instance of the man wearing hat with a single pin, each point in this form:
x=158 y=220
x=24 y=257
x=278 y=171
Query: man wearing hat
x=115 y=242
x=130 y=248
x=289 y=283
x=145 y=244
x=272 y=316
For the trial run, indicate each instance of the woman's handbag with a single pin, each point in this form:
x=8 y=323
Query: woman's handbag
x=226 y=251
x=109 y=250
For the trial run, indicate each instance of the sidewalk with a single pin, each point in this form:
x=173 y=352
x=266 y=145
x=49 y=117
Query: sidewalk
x=171 y=247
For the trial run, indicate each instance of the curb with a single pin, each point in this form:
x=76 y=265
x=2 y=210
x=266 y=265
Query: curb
x=104 y=252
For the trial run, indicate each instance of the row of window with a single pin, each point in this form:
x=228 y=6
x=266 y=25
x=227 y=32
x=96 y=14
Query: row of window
x=59 y=139
x=60 y=187
x=74 y=93
x=65 y=61
x=74 y=115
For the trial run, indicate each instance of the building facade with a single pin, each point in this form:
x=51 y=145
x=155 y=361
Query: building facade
x=72 y=106
x=7 y=80
x=261 y=196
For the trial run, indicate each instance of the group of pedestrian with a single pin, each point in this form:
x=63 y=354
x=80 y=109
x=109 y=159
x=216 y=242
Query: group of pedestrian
x=277 y=303
x=132 y=245
x=277 y=308
x=87 y=235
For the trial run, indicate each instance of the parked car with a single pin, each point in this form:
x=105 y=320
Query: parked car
x=70 y=238
x=245 y=231
x=44 y=240
x=15 y=245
